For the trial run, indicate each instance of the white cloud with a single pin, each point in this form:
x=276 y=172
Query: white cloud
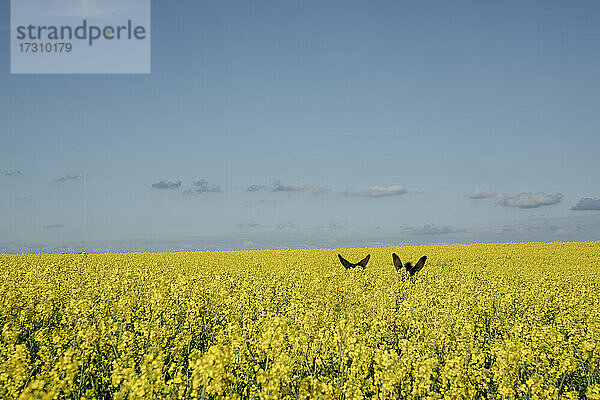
x=586 y=203
x=481 y=193
x=203 y=186
x=529 y=200
x=376 y=191
x=380 y=191
x=256 y=188
x=294 y=187
x=167 y=185
x=70 y=178
x=13 y=172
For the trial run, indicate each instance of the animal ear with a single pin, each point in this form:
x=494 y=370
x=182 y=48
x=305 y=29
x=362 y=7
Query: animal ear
x=397 y=262
x=345 y=263
x=364 y=261
x=420 y=264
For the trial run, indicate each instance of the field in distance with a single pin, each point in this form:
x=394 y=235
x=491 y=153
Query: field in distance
x=496 y=321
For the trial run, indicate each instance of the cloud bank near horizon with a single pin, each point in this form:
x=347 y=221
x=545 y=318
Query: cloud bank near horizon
x=586 y=203
x=525 y=200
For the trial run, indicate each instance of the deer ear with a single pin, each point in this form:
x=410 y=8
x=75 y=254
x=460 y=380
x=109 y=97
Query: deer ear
x=420 y=264
x=364 y=261
x=397 y=262
x=344 y=262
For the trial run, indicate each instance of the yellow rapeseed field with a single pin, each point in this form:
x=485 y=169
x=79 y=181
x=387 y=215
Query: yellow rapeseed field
x=494 y=321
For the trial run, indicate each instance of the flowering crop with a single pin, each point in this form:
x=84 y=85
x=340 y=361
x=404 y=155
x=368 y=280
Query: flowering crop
x=501 y=321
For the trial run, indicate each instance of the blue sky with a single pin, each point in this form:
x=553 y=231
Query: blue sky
x=367 y=123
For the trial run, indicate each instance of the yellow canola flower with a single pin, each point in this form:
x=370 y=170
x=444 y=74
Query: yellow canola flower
x=479 y=321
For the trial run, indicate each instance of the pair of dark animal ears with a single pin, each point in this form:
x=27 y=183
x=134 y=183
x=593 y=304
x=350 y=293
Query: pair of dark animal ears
x=409 y=267
x=397 y=263
x=347 y=264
